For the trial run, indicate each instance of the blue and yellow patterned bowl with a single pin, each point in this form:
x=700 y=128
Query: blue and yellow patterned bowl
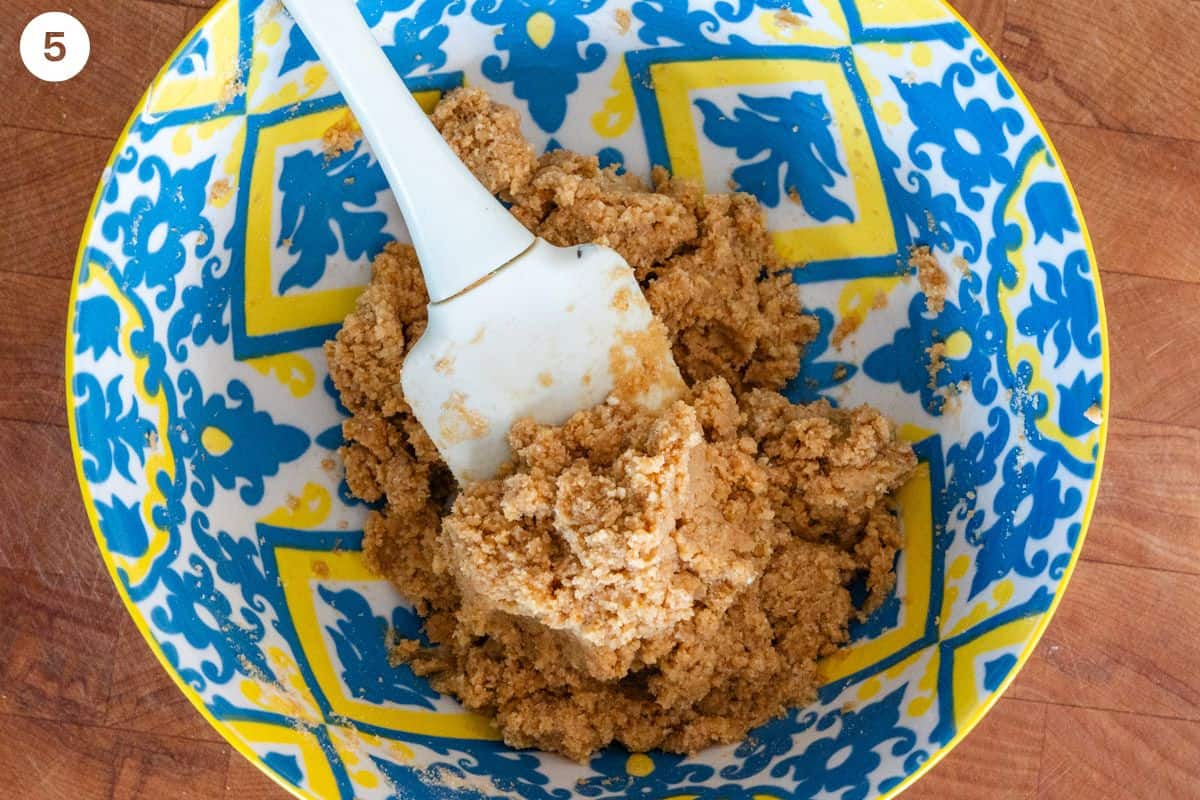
x=223 y=249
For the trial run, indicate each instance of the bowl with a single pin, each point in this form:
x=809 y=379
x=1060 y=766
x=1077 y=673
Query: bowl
x=223 y=248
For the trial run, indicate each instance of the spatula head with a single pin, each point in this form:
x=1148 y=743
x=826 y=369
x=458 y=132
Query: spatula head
x=556 y=331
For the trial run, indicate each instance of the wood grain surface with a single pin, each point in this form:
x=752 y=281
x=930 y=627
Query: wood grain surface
x=1109 y=705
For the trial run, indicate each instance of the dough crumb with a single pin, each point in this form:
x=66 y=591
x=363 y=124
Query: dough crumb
x=230 y=91
x=787 y=18
x=844 y=329
x=934 y=282
x=937 y=362
x=221 y=189
x=341 y=136
x=458 y=423
x=624 y=20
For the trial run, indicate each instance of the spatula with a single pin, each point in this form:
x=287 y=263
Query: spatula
x=517 y=327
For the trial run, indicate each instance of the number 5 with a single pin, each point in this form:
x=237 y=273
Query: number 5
x=55 y=50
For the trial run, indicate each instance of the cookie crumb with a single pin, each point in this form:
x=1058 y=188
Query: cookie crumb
x=341 y=136
x=620 y=301
x=624 y=20
x=937 y=362
x=845 y=328
x=458 y=423
x=934 y=282
x=230 y=90
x=786 y=18
x=220 y=190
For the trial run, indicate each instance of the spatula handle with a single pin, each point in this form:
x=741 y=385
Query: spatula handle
x=461 y=233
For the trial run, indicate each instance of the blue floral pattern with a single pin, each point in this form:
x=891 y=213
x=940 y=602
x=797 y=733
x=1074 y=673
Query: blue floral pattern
x=114 y=433
x=417 y=41
x=360 y=639
x=973 y=137
x=151 y=232
x=678 y=22
x=208 y=468
x=1066 y=314
x=257 y=445
x=417 y=36
x=98 y=320
x=543 y=74
x=795 y=134
x=321 y=198
x=192 y=599
x=202 y=310
x=124 y=532
x=300 y=51
x=1028 y=507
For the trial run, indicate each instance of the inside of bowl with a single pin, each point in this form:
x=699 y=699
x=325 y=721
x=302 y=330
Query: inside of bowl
x=225 y=247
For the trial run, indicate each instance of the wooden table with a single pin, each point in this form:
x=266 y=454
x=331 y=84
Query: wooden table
x=1109 y=705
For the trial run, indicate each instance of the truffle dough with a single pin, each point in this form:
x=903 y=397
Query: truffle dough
x=660 y=580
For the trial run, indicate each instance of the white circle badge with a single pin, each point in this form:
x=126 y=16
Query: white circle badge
x=55 y=46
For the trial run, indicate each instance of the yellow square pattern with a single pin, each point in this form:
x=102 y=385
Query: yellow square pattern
x=297 y=571
x=176 y=92
x=317 y=772
x=871 y=234
x=915 y=500
x=267 y=312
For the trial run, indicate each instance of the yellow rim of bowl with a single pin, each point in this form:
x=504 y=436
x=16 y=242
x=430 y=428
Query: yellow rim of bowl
x=77 y=455
x=241 y=747
x=1105 y=405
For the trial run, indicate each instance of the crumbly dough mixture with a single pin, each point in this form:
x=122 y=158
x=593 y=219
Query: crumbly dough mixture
x=660 y=580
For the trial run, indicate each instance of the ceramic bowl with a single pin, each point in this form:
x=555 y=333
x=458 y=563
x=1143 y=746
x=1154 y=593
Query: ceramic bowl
x=223 y=248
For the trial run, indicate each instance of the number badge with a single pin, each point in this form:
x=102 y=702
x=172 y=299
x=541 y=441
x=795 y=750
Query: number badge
x=55 y=46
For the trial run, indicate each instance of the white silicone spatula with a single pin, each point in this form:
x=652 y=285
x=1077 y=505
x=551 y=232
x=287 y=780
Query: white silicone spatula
x=517 y=327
